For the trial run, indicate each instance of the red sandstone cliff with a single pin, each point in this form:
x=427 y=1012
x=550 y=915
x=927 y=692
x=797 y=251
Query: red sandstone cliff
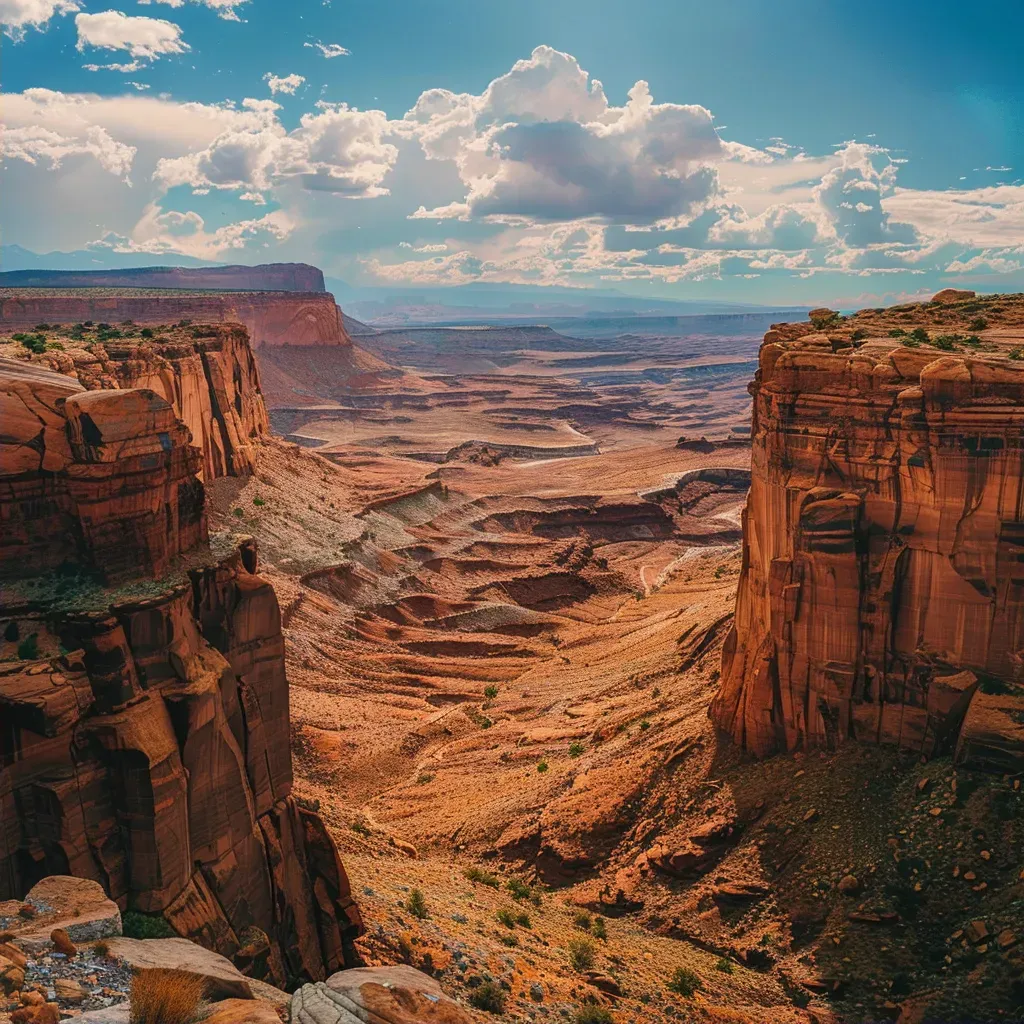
x=287 y=277
x=207 y=374
x=144 y=740
x=272 y=318
x=880 y=598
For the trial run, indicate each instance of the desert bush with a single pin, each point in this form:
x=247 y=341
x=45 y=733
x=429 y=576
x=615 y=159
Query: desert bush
x=598 y=929
x=897 y=332
x=521 y=891
x=946 y=342
x=417 y=904
x=163 y=996
x=979 y=323
x=28 y=649
x=475 y=874
x=582 y=954
x=542 y=766
x=591 y=1013
x=136 y=925
x=1016 y=353
x=146 y=332
x=488 y=996
x=101 y=949
x=920 y=335
x=576 y=748
x=523 y=920
x=508 y=940
x=258 y=501
x=684 y=982
x=724 y=965
x=582 y=920
x=506 y=918
x=490 y=692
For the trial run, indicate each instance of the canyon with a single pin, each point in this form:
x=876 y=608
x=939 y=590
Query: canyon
x=519 y=641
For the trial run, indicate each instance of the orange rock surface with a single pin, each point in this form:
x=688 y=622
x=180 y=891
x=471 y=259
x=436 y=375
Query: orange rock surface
x=880 y=594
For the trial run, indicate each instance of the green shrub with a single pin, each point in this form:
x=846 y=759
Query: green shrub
x=136 y=925
x=237 y=512
x=523 y=920
x=582 y=954
x=684 y=982
x=490 y=692
x=920 y=335
x=506 y=918
x=508 y=940
x=417 y=905
x=360 y=829
x=645 y=725
x=979 y=323
x=483 y=877
x=424 y=778
x=897 y=332
x=946 y=342
x=146 y=332
x=581 y=919
x=35 y=343
x=598 y=929
x=542 y=766
x=1016 y=353
x=28 y=649
x=489 y=996
x=576 y=748
x=724 y=965
x=521 y=891
x=258 y=501
x=591 y=1013
x=972 y=341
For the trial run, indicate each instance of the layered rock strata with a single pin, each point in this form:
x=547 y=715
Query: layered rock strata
x=272 y=318
x=101 y=480
x=206 y=373
x=144 y=730
x=881 y=597
x=153 y=757
x=286 y=277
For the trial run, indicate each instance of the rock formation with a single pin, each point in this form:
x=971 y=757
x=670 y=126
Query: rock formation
x=144 y=731
x=267 y=277
x=272 y=318
x=879 y=598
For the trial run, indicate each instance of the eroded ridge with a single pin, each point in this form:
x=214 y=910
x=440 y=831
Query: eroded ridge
x=880 y=598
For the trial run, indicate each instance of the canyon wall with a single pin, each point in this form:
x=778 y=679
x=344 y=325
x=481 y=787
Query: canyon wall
x=271 y=318
x=881 y=597
x=207 y=374
x=267 y=277
x=144 y=723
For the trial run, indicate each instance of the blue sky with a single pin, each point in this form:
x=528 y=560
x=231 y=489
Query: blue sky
x=782 y=152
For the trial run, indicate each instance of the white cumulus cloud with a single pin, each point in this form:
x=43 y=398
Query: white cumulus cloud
x=285 y=83
x=225 y=8
x=143 y=38
x=18 y=15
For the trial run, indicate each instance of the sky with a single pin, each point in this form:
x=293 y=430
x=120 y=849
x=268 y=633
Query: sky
x=790 y=152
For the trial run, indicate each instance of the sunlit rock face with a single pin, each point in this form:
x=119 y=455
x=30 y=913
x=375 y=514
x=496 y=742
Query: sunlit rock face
x=882 y=596
x=144 y=720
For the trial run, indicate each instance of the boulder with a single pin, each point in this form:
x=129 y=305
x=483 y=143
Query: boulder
x=77 y=907
x=376 y=995
x=952 y=295
x=223 y=979
x=992 y=737
x=242 y=1011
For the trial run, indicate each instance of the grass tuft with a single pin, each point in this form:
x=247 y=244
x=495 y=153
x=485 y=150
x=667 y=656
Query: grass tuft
x=161 y=996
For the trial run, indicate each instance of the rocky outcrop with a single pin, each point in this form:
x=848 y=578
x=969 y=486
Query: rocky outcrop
x=285 y=277
x=378 y=995
x=206 y=373
x=880 y=598
x=101 y=480
x=153 y=757
x=271 y=318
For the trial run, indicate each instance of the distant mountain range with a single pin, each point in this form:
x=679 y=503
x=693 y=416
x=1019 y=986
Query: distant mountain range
x=378 y=306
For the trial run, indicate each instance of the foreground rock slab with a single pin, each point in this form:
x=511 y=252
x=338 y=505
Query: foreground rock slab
x=376 y=995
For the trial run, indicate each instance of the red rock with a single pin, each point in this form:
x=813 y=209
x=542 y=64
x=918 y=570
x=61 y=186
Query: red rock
x=976 y=931
x=952 y=295
x=868 y=600
x=62 y=943
x=40 y=1013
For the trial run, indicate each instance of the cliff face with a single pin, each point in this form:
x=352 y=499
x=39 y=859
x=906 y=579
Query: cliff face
x=272 y=318
x=207 y=374
x=105 y=480
x=285 y=277
x=880 y=597
x=144 y=743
